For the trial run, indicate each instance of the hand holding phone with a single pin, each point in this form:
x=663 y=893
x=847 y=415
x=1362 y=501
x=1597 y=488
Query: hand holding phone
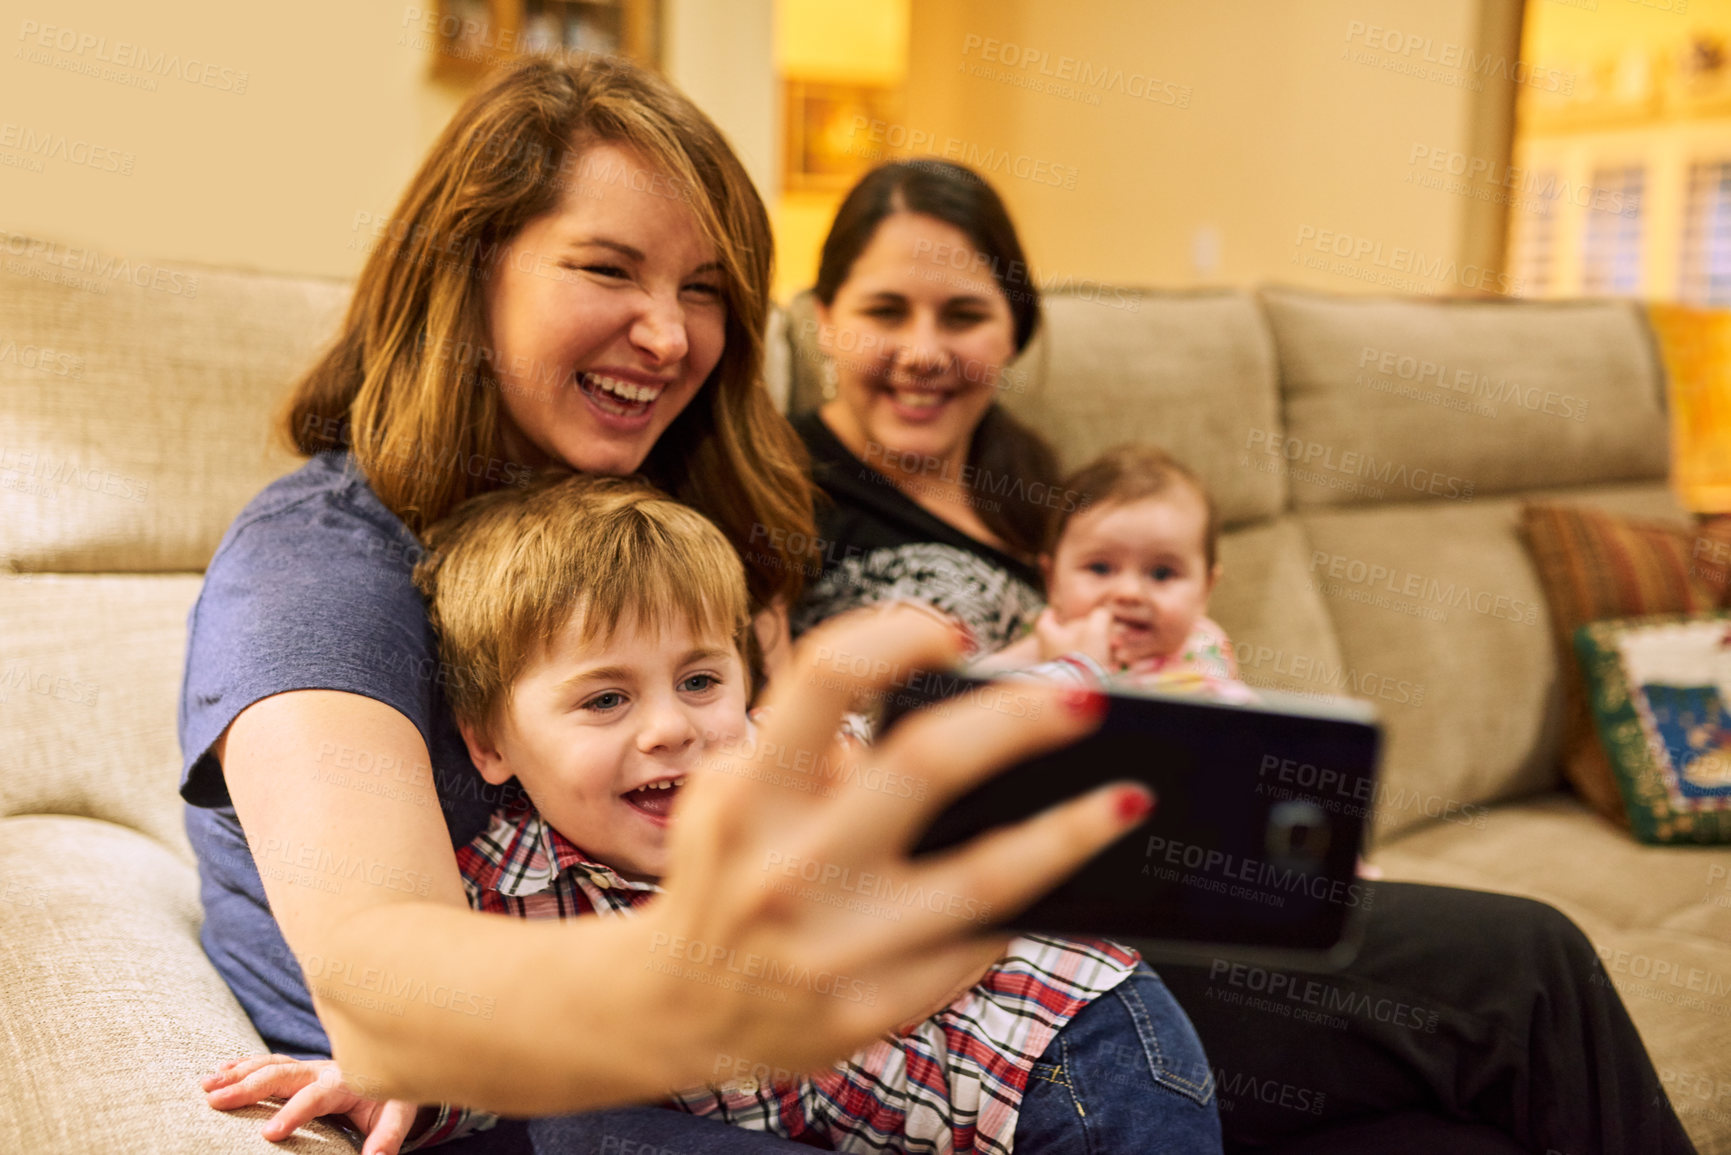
x=1253 y=844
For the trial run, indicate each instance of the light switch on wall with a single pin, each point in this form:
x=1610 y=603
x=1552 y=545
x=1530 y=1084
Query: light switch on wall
x=1205 y=251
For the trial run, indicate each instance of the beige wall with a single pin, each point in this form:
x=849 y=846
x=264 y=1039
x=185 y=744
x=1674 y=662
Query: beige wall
x=1282 y=134
x=1237 y=129
x=721 y=52
x=840 y=42
x=337 y=110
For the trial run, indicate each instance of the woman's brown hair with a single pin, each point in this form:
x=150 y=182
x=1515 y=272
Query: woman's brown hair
x=406 y=386
x=1002 y=447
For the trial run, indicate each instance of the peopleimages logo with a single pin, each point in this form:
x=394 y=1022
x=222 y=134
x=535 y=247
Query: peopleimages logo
x=1368 y=259
x=1462 y=62
x=1265 y=877
x=1314 y=455
x=1085 y=75
x=751 y=965
x=1482 y=386
x=91 y=50
x=45 y=144
x=1532 y=189
x=100 y=270
x=1356 y=795
x=1371 y=575
x=877 y=137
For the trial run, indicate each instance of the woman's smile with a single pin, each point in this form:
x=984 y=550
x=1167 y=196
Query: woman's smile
x=917 y=404
x=623 y=400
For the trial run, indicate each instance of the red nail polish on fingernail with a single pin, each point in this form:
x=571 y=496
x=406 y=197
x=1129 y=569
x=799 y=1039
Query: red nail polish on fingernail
x=1134 y=805
x=1088 y=703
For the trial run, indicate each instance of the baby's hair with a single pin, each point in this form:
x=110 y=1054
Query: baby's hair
x=507 y=570
x=1130 y=473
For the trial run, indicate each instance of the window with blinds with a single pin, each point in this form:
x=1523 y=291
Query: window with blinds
x=1611 y=247
x=1705 y=261
x=1533 y=247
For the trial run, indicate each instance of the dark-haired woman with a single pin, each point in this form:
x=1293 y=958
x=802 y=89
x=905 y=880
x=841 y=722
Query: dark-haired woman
x=923 y=297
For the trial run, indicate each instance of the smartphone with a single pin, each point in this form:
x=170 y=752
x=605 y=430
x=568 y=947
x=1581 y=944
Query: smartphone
x=1252 y=849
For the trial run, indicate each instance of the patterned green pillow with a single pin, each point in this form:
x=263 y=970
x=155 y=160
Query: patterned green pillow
x=1660 y=691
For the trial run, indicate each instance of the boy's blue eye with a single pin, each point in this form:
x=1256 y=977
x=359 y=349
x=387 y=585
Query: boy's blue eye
x=698 y=683
x=606 y=700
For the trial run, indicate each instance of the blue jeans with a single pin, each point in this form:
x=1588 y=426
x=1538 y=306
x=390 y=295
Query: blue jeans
x=1127 y=1074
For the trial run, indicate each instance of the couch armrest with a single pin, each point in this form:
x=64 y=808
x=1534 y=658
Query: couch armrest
x=109 y=1010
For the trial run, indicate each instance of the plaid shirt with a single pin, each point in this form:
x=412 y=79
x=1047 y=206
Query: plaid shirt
x=950 y=1083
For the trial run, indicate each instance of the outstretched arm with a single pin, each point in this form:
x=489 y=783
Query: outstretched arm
x=427 y=1001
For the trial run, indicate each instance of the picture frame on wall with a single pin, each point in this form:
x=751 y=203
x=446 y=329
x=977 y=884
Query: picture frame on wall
x=474 y=36
x=836 y=132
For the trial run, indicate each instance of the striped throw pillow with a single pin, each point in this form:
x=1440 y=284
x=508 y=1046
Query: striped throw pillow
x=1595 y=565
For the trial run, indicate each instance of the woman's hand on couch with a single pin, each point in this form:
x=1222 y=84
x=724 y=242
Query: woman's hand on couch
x=313 y=1087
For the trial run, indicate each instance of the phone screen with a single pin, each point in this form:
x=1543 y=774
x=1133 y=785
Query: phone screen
x=1254 y=838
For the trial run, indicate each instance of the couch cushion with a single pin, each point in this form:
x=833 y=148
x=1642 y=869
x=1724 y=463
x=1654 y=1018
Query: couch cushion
x=1188 y=371
x=1422 y=400
x=1191 y=372
x=112 y=1013
x=1281 y=633
x=89 y=694
x=1665 y=943
x=1445 y=598
x=137 y=403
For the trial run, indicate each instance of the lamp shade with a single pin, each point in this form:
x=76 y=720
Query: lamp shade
x=1695 y=345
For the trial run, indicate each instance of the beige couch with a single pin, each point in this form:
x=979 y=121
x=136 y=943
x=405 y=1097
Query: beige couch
x=135 y=415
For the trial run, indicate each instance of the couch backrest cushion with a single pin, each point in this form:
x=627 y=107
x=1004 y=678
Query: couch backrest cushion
x=1446 y=600
x=1193 y=372
x=1400 y=399
x=137 y=400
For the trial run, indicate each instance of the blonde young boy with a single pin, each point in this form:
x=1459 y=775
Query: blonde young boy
x=592 y=635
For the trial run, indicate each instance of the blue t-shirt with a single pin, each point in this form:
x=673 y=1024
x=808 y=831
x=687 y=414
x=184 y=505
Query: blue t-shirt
x=310 y=589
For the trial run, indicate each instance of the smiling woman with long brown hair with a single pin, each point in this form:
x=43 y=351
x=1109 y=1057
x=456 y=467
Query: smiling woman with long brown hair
x=576 y=279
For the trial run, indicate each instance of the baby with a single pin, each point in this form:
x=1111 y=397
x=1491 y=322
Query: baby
x=592 y=633
x=1128 y=577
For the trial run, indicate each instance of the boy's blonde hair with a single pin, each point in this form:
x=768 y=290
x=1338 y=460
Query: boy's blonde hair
x=507 y=570
x=1130 y=473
